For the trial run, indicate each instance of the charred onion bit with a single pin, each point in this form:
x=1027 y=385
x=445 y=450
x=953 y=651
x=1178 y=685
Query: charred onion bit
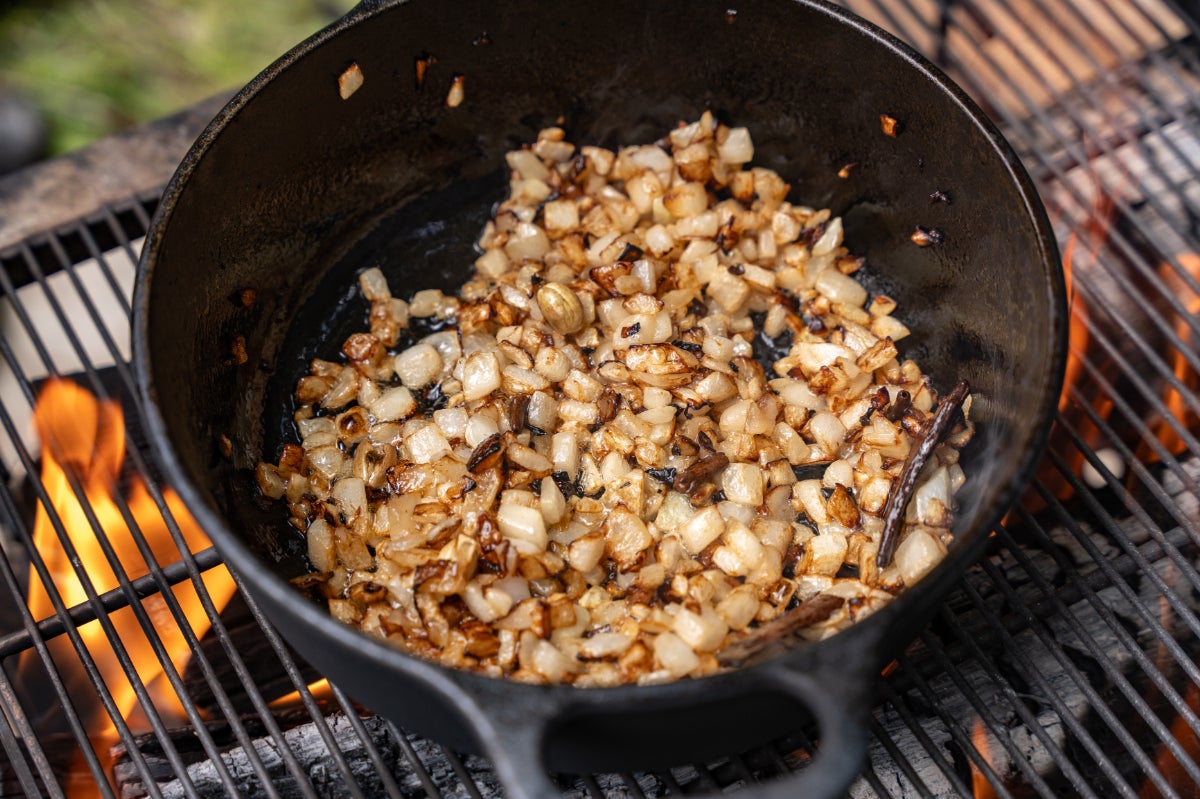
x=927 y=237
x=901 y=491
x=700 y=472
x=486 y=455
x=899 y=406
x=811 y=471
x=422 y=65
x=879 y=402
x=518 y=408
x=665 y=476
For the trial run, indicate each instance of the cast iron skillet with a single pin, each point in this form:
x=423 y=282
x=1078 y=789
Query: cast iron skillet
x=292 y=189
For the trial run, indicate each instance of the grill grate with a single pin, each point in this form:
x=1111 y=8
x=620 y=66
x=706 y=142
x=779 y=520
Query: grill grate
x=1065 y=664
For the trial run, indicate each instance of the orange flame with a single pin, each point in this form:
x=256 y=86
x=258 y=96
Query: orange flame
x=85 y=438
x=1074 y=377
x=1165 y=762
x=319 y=689
x=1077 y=328
x=1094 y=230
x=980 y=787
x=1172 y=399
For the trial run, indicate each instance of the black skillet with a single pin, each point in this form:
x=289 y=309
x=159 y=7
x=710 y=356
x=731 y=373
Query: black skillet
x=292 y=189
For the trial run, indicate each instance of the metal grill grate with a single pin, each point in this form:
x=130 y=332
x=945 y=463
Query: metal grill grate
x=1064 y=665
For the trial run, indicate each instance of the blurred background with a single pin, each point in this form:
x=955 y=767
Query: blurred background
x=73 y=71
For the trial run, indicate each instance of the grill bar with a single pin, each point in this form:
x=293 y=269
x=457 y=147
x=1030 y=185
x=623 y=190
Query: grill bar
x=1032 y=32
x=1045 y=637
x=1186 y=570
x=340 y=762
x=389 y=783
x=114 y=561
x=29 y=785
x=97 y=605
x=293 y=673
x=1150 y=356
x=1145 y=480
x=914 y=726
x=1150 y=669
x=1154 y=57
x=959 y=735
x=410 y=753
x=1063 y=763
x=981 y=708
x=94 y=251
x=1185 y=12
x=1120 y=731
x=1163 y=638
x=464 y=778
x=1067 y=144
x=112 y=600
x=1119 y=679
x=15 y=715
x=111 y=556
x=87 y=662
x=901 y=763
x=1132 y=375
x=1168 y=594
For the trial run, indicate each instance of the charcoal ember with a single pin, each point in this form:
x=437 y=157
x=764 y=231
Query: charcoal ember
x=621 y=786
x=318 y=768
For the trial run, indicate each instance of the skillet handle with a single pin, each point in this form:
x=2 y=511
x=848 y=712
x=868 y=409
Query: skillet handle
x=514 y=738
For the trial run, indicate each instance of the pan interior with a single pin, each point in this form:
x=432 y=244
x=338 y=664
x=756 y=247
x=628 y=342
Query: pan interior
x=300 y=189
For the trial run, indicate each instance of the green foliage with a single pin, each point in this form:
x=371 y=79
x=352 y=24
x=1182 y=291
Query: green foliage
x=96 y=66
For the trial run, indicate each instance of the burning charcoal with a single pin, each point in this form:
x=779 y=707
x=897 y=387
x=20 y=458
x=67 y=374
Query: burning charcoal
x=305 y=743
x=320 y=768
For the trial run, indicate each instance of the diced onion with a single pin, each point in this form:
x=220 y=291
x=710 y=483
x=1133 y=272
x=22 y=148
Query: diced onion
x=590 y=472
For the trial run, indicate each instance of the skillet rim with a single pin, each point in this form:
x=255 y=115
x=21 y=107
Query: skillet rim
x=251 y=571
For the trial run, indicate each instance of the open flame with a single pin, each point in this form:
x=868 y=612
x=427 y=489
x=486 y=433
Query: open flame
x=1074 y=260
x=1163 y=425
x=980 y=787
x=1165 y=762
x=1175 y=403
x=320 y=690
x=1176 y=412
x=1081 y=250
x=84 y=439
